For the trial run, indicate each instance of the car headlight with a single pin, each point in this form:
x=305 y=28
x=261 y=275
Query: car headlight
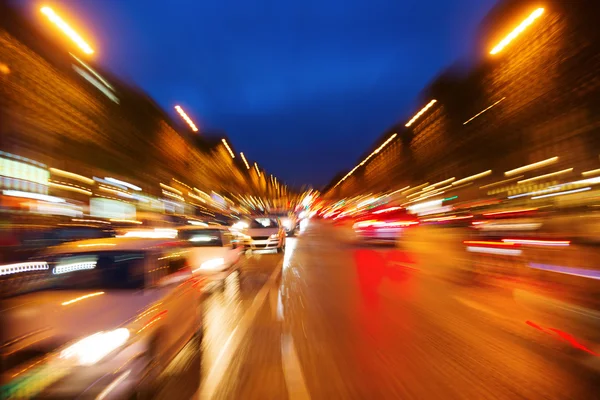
x=287 y=223
x=212 y=263
x=90 y=350
x=273 y=236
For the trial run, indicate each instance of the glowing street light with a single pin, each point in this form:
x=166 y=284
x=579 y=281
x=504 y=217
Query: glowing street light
x=228 y=148
x=245 y=161
x=517 y=31
x=186 y=118
x=67 y=30
x=417 y=115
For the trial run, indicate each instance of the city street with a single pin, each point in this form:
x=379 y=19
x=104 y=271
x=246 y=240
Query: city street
x=349 y=321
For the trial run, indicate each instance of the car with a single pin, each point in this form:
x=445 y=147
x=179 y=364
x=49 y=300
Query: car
x=109 y=315
x=383 y=224
x=265 y=233
x=213 y=251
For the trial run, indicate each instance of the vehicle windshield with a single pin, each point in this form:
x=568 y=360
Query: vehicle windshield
x=202 y=237
x=98 y=270
x=258 y=223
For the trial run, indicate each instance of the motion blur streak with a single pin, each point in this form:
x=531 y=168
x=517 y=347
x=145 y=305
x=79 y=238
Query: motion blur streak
x=74 y=36
x=78 y=299
x=564 y=337
x=533 y=166
x=539 y=242
x=517 y=31
x=584 y=273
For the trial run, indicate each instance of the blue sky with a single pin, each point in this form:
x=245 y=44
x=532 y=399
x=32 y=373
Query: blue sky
x=302 y=87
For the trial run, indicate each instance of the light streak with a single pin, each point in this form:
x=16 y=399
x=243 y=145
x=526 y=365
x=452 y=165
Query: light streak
x=510 y=211
x=490 y=250
x=87 y=296
x=367 y=159
x=97 y=84
x=71 y=175
x=529 y=167
x=517 y=31
x=228 y=148
x=535 y=178
x=126 y=184
x=561 y=193
x=538 y=242
x=478 y=114
x=186 y=118
x=501 y=182
x=584 y=273
x=67 y=30
x=172 y=189
x=34 y=196
x=591 y=172
x=421 y=112
x=69 y=187
x=472 y=177
x=245 y=161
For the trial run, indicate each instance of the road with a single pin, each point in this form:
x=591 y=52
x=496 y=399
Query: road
x=333 y=320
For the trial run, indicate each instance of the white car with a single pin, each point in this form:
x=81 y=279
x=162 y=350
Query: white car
x=265 y=233
x=109 y=316
x=213 y=251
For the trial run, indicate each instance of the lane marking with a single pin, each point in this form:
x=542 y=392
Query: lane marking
x=292 y=371
x=223 y=360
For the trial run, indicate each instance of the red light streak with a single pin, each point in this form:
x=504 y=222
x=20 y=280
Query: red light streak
x=387 y=210
x=153 y=320
x=564 y=337
x=451 y=218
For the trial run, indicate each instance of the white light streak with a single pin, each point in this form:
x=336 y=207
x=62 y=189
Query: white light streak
x=477 y=115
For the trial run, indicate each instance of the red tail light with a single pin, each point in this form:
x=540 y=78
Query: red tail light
x=383 y=224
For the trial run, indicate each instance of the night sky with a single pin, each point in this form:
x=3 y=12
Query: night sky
x=302 y=87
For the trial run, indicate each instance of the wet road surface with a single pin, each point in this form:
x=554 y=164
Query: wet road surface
x=333 y=320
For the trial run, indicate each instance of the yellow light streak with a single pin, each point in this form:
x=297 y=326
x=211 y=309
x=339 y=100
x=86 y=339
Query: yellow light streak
x=162 y=185
x=591 y=172
x=87 y=296
x=245 y=161
x=70 y=188
x=367 y=159
x=415 y=188
x=472 y=177
x=228 y=148
x=517 y=31
x=501 y=182
x=186 y=118
x=529 y=167
x=417 y=115
x=67 y=30
x=257 y=170
x=535 y=178
x=478 y=114
x=71 y=175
